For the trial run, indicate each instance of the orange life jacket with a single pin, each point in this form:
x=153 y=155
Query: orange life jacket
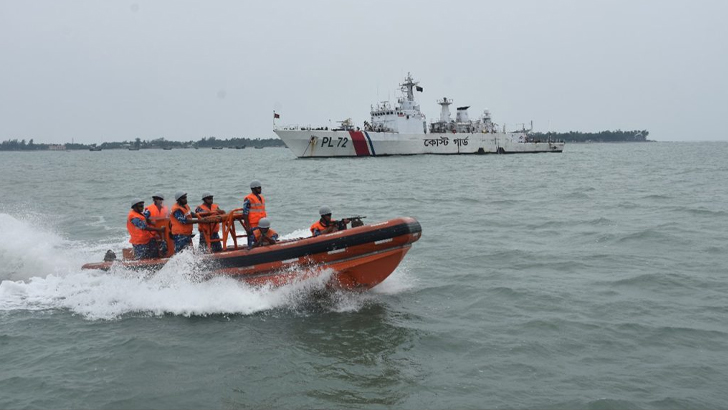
x=138 y=236
x=208 y=229
x=257 y=233
x=178 y=228
x=156 y=213
x=318 y=225
x=257 y=209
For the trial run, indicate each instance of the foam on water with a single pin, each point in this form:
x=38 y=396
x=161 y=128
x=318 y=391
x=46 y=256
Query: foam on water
x=29 y=247
x=41 y=271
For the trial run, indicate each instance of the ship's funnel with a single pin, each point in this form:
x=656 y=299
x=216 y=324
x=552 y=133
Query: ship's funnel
x=462 y=115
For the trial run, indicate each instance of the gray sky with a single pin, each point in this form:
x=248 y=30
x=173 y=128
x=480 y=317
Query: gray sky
x=113 y=70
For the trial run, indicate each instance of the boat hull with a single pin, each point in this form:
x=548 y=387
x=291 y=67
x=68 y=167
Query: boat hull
x=312 y=143
x=358 y=258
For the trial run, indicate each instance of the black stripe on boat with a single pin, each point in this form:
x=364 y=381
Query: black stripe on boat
x=318 y=247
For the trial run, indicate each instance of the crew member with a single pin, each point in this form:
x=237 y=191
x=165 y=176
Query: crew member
x=325 y=224
x=154 y=213
x=182 y=220
x=253 y=209
x=142 y=235
x=209 y=230
x=263 y=235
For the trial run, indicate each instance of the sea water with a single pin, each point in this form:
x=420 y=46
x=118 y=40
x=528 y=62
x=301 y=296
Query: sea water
x=595 y=278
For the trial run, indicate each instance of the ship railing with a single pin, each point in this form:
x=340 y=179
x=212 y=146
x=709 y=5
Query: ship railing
x=303 y=128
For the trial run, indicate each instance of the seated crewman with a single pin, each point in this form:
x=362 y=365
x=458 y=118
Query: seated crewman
x=325 y=224
x=263 y=235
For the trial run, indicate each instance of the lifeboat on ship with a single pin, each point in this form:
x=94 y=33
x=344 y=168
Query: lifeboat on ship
x=360 y=257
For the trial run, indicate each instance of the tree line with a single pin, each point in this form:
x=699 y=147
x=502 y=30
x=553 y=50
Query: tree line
x=138 y=143
x=603 y=136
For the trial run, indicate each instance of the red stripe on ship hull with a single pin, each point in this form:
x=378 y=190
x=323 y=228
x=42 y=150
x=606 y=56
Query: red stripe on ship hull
x=360 y=143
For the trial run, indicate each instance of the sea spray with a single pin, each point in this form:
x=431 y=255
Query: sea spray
x=29 y=247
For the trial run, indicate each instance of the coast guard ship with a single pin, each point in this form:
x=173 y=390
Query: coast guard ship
x=403 y=130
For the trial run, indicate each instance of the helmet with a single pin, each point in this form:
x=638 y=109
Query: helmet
x=206 y=195
x=324 y=210
x=136 y=201
x=179 y=195
x=264 y=223
x=158 y=195
x=255 y=184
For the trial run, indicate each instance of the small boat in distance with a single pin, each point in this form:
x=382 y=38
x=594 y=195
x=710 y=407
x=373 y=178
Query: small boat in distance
x=133 y=149
x=95 y=149
x=360 y=257
x=216 y=147
x=167 y=148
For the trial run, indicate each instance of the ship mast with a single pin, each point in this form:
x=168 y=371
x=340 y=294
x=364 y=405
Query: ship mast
x=407 y=87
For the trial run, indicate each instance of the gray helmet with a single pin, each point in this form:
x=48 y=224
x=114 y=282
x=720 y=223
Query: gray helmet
x=264 y=223
x=136 y=201
x=179 y=195
x=255 y=184
x=158 y=195
x=205 y=195
x=324 y=210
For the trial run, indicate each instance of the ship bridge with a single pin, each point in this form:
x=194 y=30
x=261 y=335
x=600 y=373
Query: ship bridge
x=404 y=118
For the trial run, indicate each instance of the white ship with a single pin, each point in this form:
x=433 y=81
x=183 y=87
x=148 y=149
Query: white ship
x=403 y=130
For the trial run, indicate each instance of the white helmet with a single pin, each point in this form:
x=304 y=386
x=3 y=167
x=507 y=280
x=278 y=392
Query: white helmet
x=264 y=223
x=206 y=194
x=255 y=184
x=324 y=210
x=136 y=201
x=158 y=195
x=179 y=195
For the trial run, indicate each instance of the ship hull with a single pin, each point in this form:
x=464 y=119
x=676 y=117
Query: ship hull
x=311 y=143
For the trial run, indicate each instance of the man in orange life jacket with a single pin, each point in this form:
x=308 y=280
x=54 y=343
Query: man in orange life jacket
x=209 y=230
x=142 y=235
x=154 y=213
x=325 y=224
x=263 y=235
x=182 y=220
x=253 y=209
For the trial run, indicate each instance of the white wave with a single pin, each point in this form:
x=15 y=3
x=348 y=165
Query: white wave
x=177 y=289
x=400 y=281
x=298 y=233
x=29 y=247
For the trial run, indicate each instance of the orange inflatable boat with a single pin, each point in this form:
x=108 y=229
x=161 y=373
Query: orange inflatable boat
x=359 y=257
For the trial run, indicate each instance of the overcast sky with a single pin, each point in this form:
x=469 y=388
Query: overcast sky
x=101 y=71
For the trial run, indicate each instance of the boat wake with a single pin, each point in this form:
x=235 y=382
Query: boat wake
x=40 y=271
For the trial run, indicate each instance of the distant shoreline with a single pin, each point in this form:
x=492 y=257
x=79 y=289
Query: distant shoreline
x=241 y=143
x=591 y=137
x=138 y=144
